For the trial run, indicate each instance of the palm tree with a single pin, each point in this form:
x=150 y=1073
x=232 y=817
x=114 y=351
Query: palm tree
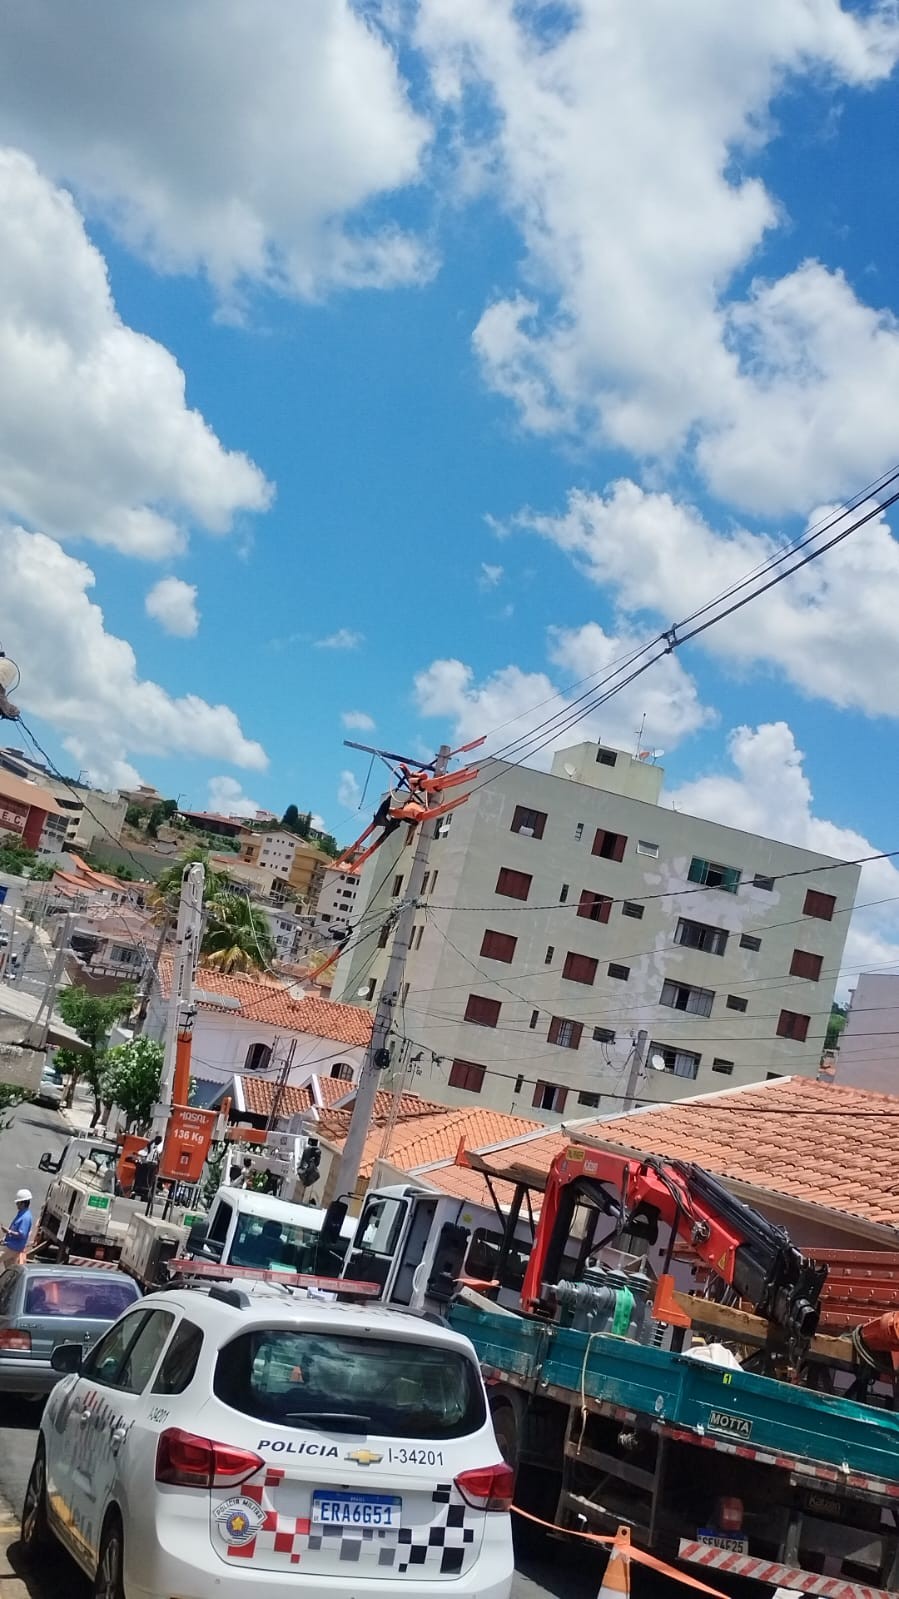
x=166 y=891
x=237 y=936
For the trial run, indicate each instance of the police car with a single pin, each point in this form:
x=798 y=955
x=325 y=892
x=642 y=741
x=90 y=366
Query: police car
x=242 y=1441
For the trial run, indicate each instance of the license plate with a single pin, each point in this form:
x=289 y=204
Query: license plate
x=721 y=1540
x=356 y=1510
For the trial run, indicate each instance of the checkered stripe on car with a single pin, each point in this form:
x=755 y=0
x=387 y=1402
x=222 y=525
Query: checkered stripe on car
x=437 y=1548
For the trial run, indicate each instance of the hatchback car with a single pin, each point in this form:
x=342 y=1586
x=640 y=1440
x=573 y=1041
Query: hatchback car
x=42 y=1306
x=239 y=1442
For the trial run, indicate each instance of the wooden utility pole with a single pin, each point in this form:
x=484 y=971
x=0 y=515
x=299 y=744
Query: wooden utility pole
x=377 y=1056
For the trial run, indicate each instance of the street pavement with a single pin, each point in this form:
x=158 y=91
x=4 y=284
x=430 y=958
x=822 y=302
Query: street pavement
x=548 y=1569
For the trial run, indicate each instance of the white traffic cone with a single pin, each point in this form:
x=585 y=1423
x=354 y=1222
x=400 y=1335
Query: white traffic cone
x=616 y=1579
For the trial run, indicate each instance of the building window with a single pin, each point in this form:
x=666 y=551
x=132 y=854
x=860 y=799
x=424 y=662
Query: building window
x=820 y=905
x=680 y=996
x=700 y=935
x=790 y=1024
x=325 y=916
x=725 y=1067
x=519 y=1084
x=578 y=832
x=550 y=952
x=680 y=1062
x=548 y=1096
x=565 y=1033
x=258 y=1057
x=563 y=893
x=621 y=972
x=419 y=934
x=434 y=881
x=424 y=882
x=514 y=885
x=343 y=1070
x=606 y=757
x=736 y=1002
x=771 y=1077
x=631 y=908
x=397 y=884
x=749 y=941
x=530 y=823
x=804 y=964
x=596 y=907
x=712 y=875
x=580 y=968
x=610 y=846
x=760 y=881
x=591 y=1101
x=646 y=847
x=603 y=1035
x=405 y=994
x=535 y=1017
x=368 y=991
x=498 y=946
x=466 y=1075
x=384 y=936
x=484 y=1012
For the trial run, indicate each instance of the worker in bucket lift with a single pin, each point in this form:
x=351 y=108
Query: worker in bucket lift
x=17 y=1234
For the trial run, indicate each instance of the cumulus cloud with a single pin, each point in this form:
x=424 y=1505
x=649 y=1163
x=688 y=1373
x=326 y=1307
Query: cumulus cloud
x=343 y=639
x=249 y=147
x=768 y=792
x=358 y=721
x=227 y=798
x=173 y=604
x=518 y=703
x=349 y=794
x=96 y=437
x=621 y=139
x=830 y=628
x=85 y=681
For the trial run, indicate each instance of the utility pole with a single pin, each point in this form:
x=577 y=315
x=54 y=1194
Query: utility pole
x=278 y=1095
x=176 y=1061
x=54 y=981
x=377 y=1056
x=638 y=1063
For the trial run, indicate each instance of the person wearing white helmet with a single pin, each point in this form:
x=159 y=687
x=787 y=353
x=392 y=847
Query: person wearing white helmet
x=15 y=1240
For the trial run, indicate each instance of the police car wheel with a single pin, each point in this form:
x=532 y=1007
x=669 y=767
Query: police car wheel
x=35 y=1532
x=108 y=1582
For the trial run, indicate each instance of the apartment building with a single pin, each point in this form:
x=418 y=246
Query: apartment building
x=298 y=864
x=564 y=913
x=83 y=815
x=336 y=901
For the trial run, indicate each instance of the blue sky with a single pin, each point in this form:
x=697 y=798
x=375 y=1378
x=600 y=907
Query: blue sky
x=509 y=333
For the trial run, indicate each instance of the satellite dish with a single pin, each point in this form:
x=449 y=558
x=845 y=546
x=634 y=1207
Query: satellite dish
x=570 y=771
x=657 y=1062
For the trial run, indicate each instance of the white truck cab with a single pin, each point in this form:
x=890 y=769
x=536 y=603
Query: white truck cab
x=412 y=1244
x=247 y=1229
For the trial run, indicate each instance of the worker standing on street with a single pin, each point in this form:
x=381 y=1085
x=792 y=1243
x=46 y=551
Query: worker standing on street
x=15 y=1240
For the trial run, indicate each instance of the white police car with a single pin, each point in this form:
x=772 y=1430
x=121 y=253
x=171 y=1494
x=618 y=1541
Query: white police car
x=243 y=1441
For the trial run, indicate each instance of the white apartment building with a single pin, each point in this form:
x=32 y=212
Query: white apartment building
x=336 y=901
x=566 y=913
x=867 y=1056
x=273 y=852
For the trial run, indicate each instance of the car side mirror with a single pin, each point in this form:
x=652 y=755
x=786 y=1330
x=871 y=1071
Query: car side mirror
x=67 y=1358
x=46 y=1161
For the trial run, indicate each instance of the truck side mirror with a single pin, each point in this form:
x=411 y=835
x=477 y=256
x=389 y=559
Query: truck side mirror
x=335 y=1216
x=46 y=1161
x=197 y=1238
x=67 y=1358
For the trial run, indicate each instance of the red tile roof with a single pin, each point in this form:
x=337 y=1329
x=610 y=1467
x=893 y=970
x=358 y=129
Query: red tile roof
x=425 y=1133
x=826 y=1145
x=264 y=999
x=259 y=1095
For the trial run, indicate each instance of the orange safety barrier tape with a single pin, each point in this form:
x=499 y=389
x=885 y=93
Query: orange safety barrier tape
x=634 y=1554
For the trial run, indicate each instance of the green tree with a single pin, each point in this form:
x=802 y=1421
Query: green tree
x=42 y=872
x=237 y=936
x=328 y=843
x=134 y=816
x=169 y=809
x=15 y=856
x=838 y=1016
x=166 y=892
x=93 y=1017
x=130 y=1078
x=291 y=818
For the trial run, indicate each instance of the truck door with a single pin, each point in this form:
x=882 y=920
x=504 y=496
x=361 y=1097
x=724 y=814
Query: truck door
x=408 y=1287
x=371 y=1256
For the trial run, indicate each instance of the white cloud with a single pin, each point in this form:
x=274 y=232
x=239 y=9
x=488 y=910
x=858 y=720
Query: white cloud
x=830 y=628
x=349 y=794
x=768 y=792
x=343 y=639
x=518 y=703
x=245 y=146
x=621 y=139
x=490 y=575
x=358 y=721
x=227 y=798
x=173 y=604
x=96 y=437
x=85 y=681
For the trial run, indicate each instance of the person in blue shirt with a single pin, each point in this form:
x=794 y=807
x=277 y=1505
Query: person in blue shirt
x=18 y=1232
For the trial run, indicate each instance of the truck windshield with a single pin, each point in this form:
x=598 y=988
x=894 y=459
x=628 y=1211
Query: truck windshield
x=274 y=1245
x=370 y=1385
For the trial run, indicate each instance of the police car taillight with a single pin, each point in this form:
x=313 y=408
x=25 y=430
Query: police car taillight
x=487 y=1487
x=188 y=1461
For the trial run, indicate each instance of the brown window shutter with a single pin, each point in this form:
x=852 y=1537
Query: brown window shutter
x=576 y=1032
x=553 y=1034
x=538 y=1094
x=805 y=964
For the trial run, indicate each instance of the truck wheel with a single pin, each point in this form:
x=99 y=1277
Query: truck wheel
x=505 y=1426
x=35 y=1531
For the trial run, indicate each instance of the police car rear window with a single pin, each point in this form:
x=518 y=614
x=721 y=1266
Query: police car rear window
x=331 y=1382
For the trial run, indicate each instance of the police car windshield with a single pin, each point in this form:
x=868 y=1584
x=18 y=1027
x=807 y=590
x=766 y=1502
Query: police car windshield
x=327 y=1380
x=273 y=1245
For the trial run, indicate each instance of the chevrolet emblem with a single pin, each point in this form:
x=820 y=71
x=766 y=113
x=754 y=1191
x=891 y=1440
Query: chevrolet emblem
x=364 y=1457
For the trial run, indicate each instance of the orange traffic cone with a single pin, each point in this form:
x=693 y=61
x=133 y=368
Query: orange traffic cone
x=616 y=1579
